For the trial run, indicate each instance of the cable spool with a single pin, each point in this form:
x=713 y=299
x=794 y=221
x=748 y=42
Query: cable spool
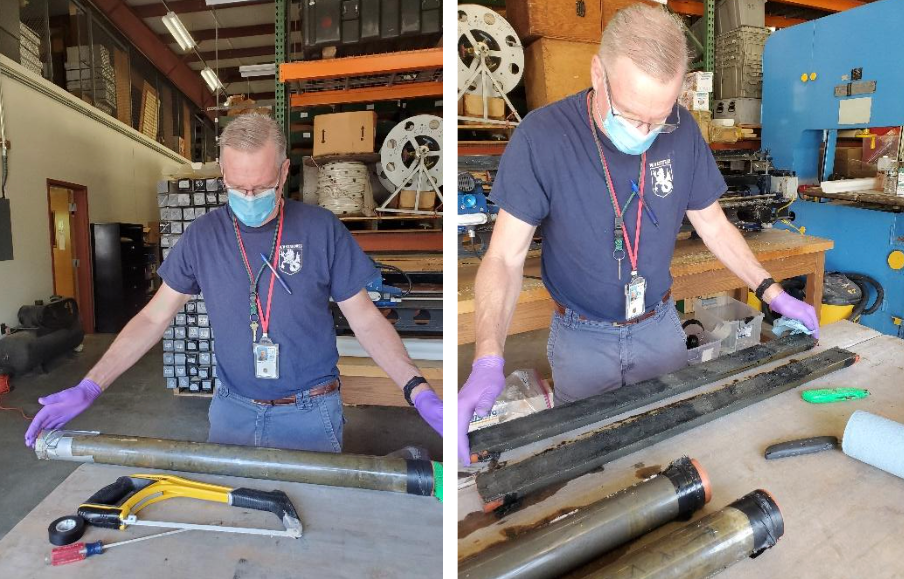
x=490 y=58
x=344 y=188
x=411 y=158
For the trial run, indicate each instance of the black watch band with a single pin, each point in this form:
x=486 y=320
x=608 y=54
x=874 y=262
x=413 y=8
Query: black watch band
x=411 y=385
x=761 y=289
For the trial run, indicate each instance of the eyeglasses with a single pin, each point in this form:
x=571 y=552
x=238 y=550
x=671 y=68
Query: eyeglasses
x=256 y=192
x=662 y=127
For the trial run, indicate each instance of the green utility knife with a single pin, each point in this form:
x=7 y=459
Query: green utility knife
x=827 y=395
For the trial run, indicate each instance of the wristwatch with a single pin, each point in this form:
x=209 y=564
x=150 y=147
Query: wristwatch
x=411 y=385
x=761 y=289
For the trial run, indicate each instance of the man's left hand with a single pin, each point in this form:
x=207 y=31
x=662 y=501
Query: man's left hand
x=430 y=407
x=791 y=307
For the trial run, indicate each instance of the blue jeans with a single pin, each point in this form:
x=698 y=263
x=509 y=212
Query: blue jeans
x=309 y=424
x=589 y=358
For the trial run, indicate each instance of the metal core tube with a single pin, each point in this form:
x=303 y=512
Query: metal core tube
x=745 y=528
x=343 y=470
x=589 y=532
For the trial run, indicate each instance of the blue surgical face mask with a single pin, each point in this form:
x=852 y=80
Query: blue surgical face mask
x=627 y=139
x=252 y=211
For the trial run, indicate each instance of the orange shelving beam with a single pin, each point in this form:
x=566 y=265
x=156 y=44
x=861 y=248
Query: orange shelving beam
x=373 y=94
x=371 y=64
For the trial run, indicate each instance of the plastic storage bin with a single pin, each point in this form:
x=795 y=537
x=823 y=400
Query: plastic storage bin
x=731 y=14
x=709 y=349
x=736 y=324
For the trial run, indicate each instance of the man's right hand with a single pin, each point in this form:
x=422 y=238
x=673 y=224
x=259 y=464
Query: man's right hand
x=484 y=385
x=62 y=407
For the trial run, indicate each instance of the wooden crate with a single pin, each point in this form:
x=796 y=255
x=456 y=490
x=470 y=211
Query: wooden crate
x=535 y=19
x=554 y=69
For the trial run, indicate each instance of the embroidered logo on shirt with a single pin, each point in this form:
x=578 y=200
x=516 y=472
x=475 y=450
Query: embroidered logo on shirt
x=661 y=175
x=290 y=259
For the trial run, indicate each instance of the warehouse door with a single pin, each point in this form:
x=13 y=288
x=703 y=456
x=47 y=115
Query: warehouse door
x=69 y=246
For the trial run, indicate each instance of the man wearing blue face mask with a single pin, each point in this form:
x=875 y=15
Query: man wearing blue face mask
x=275 y=335
x=609 y=174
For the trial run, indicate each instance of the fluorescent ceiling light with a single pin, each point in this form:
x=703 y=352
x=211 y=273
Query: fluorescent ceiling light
x=250 y=70
x=178 y=30
x=219 y=2
x=210 y=77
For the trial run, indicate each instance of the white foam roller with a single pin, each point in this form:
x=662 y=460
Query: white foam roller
x=875 y=440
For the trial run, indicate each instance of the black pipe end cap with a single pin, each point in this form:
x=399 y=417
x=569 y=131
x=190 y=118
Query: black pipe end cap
x=765 y=519
x=689 y=486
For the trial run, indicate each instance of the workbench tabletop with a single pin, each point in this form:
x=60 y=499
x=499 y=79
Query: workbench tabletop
x=347 y=533
x=842 y=518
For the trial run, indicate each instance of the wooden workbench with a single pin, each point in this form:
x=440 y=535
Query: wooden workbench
x=843 y=519
x=695 y=271
x=347 y=533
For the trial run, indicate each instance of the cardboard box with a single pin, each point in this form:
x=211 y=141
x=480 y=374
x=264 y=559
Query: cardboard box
x=698 y=82
x=694 y=101
x=704 y=121
x=845 y=157
x=719 y=134
x=427 y=201
x=555 y=69
x=471 y=105
x=344 y=133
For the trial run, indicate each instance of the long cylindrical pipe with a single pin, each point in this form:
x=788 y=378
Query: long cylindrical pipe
x=745 y=528
x=593 y=530
x=417 y=477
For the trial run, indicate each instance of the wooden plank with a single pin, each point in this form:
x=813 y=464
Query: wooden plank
x=491 y=441
x=692 y=256
x=359 y=391
x=367 y=368
x=347 y=533
x=512 y=482
x=720 y=280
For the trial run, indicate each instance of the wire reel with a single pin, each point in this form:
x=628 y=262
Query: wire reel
x=411 y=158
x=490 y=58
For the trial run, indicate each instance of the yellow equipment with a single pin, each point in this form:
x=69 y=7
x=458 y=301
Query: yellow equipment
x=116 y=506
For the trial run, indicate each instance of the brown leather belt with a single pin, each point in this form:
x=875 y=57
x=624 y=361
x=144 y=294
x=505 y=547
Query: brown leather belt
x=560 y=309
x=313 y=393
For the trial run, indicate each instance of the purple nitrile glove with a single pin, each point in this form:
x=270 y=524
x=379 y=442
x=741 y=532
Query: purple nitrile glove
x=484 y=385
x=430 y=407
x=62 y=407
x=791 y=307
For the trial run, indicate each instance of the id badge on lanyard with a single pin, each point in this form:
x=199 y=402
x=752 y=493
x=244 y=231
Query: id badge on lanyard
x=634 y=297
x=266 y=359
x=265 y=352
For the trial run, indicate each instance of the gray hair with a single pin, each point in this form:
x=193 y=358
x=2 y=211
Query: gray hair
x=652 y=38
x=251 y=132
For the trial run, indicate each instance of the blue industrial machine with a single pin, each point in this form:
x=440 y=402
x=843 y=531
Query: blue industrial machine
x=475 y=215
x=841 y=72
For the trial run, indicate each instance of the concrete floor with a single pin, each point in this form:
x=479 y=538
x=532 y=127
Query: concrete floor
x=140 y=404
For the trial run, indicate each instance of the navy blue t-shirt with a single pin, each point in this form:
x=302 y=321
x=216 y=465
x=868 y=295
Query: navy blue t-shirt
x=550 y=175
x=318 y=259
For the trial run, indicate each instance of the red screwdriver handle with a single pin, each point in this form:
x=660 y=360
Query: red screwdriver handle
x=68 y=554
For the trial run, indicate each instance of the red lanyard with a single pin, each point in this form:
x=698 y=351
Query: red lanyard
x=265 y=318
x=632 y=254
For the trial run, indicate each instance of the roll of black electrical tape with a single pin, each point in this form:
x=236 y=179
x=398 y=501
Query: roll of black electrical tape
x=66 y=530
